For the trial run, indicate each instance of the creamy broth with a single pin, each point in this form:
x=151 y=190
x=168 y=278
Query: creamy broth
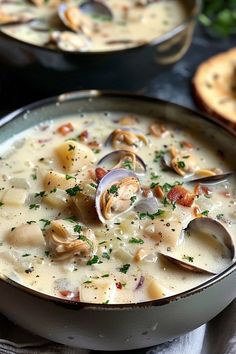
x=48 y=181
x=133 y=23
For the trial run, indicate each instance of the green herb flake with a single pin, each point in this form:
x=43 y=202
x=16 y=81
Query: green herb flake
x=34 y=177
x=94 y=260
x=154 y=184
x=159 y=212
x=73 y=191
x=127 y=164
x=93 y=185
x=40 y=194
x=78 y=228
x=31 y=222
x=136 y=240
x=71 y=218
x=69 y=177
x=188 y=258
x=1 y=204
x=154 y=176
x=105 y=275
x=181 y=164
x=34 y=206
x=87 y=282
x=158 y=154
x=26 y=255
x=46 y=222
x=71 y=147
x=124 y=269
x=113 y=189
x=47 y=253
x=205 y=212
x=133 y=199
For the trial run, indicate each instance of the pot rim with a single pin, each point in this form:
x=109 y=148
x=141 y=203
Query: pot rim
x=91 y=94
x=154 y=42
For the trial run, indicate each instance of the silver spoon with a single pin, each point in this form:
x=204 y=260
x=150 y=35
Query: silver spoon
x=211 y=227
x=96 y=8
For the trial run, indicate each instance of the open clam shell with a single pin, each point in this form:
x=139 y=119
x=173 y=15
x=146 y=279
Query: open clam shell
x=112 y=194
x=124 y=159
x=207 y=226
x=136 y=133
x=148 y=205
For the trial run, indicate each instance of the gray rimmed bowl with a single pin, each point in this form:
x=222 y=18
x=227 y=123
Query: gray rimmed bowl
x=54 y=71
x=128 y=326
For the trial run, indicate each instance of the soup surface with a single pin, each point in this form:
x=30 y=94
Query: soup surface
x=80 y=223
x=64 y=26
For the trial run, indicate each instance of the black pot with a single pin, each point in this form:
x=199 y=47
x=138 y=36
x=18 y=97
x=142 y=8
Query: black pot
x=54 y=71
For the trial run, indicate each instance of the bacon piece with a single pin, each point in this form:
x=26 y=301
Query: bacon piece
x=181 y=196
x=158 y=192
x=70 y=295
x=198 y=190
x=83 y=136
x=65 y=129
x=100 y=173
x=186 y=144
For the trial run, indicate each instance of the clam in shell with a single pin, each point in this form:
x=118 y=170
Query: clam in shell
x=117 y=193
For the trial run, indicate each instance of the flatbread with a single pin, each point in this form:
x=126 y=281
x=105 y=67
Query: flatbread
x=214 y=86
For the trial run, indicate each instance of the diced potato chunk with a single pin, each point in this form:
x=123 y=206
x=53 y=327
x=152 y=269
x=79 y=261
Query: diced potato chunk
x=57 y=199
x=54 y=180
x=14 y=197
x=98 y=291
x=163 y=230
x=84 y=203
x=155 y=290
x=74 y=156
x=26 y=235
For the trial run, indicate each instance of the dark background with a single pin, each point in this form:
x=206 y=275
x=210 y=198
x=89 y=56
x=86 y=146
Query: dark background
x=172 y=83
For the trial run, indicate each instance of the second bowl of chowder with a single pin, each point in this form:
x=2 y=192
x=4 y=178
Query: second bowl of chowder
x=105 y=220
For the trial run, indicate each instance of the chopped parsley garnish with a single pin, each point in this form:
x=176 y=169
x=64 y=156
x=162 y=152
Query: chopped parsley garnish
x=47 y=253
x=96 y=151
x=151 y=216
x=102 y=242
x=71 y=147
x=71 y=218
x=158 y=155
x=127 y=164
x=1 y=204
x=133 y=199
x=70 y=177
x=34 y=206
x=106 y=302
x=40 y=194
x=186 y=157
x=94 y=185
x=188 y=258
x=46 y=222
x=77 y=228
x=153 y=176
x=34 y=177
x=205 y=212
x=181 y=164
x=136 y=240
x=53 y=190
x=25 y=255
x=94 y=260
x=113 y=189
x=124 y=269
x=31 y=222
x=154 y=184
x=105 y=275
x=87 y=282
x=73 y=191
